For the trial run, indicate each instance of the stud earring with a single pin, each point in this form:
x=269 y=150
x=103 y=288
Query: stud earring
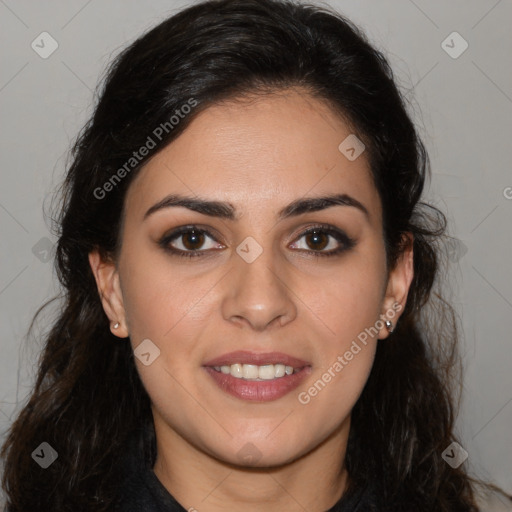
x=116 y=325
x=389 y=325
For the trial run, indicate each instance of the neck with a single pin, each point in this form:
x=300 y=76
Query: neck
x=314 y=482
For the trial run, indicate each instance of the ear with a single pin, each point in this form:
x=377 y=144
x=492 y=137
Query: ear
x=397 y=289
x=109 y=289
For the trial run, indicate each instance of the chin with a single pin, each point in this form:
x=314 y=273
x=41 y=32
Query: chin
x=262 y=453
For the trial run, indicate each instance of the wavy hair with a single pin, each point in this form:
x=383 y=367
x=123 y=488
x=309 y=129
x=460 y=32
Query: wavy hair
x=88 y=397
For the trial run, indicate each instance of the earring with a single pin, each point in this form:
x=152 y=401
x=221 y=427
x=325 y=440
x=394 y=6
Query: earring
x=116 y=325
x=389 y=325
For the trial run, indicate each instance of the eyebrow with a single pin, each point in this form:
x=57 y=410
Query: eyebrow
x=227 y=211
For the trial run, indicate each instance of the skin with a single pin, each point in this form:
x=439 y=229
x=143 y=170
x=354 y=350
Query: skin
x=259 y=156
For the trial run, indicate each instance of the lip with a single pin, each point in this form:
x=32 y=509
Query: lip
x=257 y=390
x=259 y=359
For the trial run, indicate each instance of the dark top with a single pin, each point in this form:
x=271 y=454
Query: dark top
x=141 y=490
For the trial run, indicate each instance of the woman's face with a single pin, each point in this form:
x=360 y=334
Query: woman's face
x=259 y=296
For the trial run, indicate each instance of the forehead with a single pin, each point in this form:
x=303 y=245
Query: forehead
x=259 y=152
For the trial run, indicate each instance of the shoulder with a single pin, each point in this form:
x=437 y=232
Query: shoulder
x=139 y=488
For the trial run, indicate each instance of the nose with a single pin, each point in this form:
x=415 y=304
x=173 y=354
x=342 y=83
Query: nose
x=257 y=295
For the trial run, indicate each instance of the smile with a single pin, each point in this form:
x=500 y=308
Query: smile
x=254 y=372
x=256 y=376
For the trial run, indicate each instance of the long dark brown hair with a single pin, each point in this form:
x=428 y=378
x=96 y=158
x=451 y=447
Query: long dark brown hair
x=88 y=397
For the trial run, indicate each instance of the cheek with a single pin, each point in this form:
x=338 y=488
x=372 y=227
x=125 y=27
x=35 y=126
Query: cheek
x=348 y=307
x=348 y=300
x=331 y=395
x=159 y=299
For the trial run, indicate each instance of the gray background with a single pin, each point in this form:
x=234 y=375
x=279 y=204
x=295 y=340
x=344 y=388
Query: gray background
x=463 y=107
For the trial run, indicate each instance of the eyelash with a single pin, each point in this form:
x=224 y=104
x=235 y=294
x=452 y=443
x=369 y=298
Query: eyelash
x=346 y=242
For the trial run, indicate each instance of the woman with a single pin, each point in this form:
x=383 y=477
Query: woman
x=247 y=265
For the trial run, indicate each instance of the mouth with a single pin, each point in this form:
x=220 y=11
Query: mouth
x=255 y=372
x=257 y=376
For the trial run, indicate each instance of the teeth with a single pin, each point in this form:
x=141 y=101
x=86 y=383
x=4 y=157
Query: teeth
x=237 y=371
x=266 y=372
x=279 y=370
x=253 y=372
x=250 y=371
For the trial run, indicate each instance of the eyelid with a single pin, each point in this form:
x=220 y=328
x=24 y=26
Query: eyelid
x=339 y=235
x=345 y=242
x=176 y=233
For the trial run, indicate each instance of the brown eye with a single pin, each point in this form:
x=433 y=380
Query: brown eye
x=193 y=240
x=189 y=241
x=324 y=241
x=317 y=240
